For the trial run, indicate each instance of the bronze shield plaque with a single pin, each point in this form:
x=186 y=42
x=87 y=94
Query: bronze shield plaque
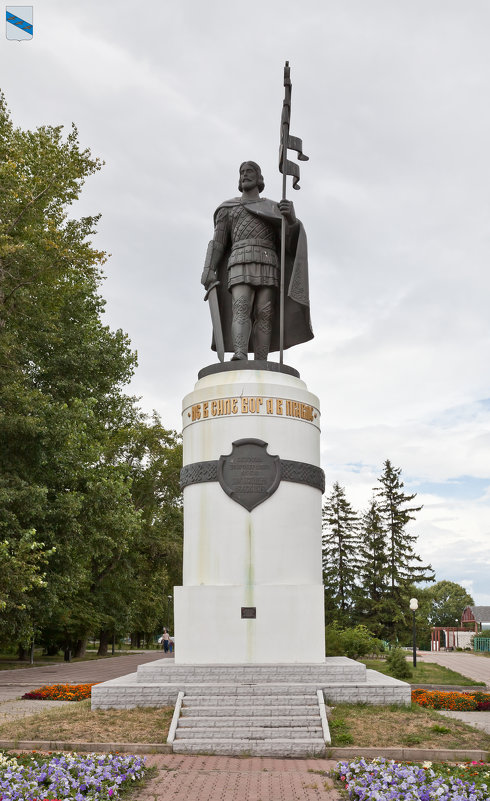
x=249 y=475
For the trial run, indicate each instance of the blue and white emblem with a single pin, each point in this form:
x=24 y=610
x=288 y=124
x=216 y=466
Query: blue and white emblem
x=19 y=23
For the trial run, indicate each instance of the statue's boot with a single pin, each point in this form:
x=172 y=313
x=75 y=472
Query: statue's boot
x=263 y=328
x=241 y=327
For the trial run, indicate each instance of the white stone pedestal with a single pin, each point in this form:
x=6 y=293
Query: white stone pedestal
x=268 y=559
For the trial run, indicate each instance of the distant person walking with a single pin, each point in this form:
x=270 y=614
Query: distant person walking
x=165 y=640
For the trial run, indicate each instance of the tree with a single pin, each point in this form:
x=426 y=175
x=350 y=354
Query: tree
x=404 y=565
x=340 y=553
x=373 y=604
x=447 y=601
x=154 y=457
x=68 y=513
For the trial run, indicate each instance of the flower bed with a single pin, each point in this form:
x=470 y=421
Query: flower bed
x=381 y=779
x=454 y=701
x=90 y=777
x=60 y=692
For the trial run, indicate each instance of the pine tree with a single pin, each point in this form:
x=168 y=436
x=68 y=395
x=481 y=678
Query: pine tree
x=340 y=554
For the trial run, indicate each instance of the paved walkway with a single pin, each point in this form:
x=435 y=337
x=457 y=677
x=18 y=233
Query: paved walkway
x=210 y=778
x=470 y=665
x=14 y=683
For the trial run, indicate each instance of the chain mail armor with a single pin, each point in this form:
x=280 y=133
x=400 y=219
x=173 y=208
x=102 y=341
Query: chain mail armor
x=253 y=258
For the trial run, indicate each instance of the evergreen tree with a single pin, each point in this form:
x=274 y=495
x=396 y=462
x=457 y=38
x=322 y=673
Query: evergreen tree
x=404 y=565
x=340 y=543
x=373 y=606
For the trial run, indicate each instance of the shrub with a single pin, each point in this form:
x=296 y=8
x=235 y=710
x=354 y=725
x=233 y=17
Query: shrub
x=397 y=664
x=333 y=641
x=354 y=642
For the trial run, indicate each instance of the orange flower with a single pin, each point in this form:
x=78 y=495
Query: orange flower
x=61 y=692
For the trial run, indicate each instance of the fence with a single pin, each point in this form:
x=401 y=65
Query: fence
x=481 y=644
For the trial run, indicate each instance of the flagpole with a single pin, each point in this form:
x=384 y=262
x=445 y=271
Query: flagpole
x=285 y=136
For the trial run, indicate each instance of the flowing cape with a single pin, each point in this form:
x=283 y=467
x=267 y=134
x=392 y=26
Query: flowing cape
x=297 y=323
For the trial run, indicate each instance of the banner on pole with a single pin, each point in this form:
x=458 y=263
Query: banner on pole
x=289 y=142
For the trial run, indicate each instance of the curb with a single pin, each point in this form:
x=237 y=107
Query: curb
x=401 y=754
x=412 y=754
x=50 y=745
x=460 y=688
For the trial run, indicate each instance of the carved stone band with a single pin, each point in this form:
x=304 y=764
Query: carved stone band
x=299 y=472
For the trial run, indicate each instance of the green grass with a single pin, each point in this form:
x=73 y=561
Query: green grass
x=366 y=725
x=427 y=673
x=79 y=723
x=340 y=733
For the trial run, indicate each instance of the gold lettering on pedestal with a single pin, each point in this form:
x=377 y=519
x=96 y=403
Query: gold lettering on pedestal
x=224 y=407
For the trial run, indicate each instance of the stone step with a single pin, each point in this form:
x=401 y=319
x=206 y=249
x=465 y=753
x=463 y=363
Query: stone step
x=245 y=733
x=249 y=690
x=280 y=748
x=271 y=721
x=167 y=672
x=243 y=710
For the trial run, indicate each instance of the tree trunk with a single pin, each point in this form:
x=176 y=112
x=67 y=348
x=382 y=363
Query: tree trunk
x=103 y=642
x=23 y=653
x=81 y=647
x=134 y=639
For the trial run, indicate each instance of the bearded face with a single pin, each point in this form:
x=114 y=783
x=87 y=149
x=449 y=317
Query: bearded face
x=250 y=177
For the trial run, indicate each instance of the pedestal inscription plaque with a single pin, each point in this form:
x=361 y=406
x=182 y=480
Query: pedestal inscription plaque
x=249 y=475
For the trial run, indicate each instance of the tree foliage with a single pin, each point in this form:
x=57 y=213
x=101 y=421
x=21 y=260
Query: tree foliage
x=340 y=552
x=444 y=603
x=370 y=565
x=78 y=529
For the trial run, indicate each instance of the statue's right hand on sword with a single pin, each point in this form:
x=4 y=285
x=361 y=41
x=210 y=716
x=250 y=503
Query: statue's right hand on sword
x=209 y=279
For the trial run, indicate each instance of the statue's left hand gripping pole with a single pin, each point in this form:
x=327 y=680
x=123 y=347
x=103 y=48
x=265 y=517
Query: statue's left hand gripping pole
x=210 y=280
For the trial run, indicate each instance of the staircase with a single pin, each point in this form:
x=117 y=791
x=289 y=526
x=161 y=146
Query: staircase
x=263 y=720
x=258 y=709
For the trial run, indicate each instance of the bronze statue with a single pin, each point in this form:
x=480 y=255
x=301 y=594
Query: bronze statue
x=242 y=273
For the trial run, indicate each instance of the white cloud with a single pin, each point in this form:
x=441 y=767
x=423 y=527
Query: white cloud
x=392 y=103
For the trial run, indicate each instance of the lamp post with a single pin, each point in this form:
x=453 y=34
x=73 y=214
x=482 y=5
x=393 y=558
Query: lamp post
x=414 y=605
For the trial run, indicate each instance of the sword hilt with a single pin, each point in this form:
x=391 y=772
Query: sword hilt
x=213 y=285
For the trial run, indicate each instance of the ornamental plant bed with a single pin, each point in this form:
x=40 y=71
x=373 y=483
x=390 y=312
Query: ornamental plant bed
x=367 y=726
x=453 y=701
x=60 y=692
x=406 y=781
x=78 y=723
x=58 y=776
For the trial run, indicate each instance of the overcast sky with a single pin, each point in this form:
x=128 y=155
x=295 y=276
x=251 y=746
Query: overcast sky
x=391 y=99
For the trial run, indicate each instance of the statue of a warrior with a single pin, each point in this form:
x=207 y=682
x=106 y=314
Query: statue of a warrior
x=242 y=267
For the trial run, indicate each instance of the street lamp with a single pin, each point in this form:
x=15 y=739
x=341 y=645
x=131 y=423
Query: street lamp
x=414 y=605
